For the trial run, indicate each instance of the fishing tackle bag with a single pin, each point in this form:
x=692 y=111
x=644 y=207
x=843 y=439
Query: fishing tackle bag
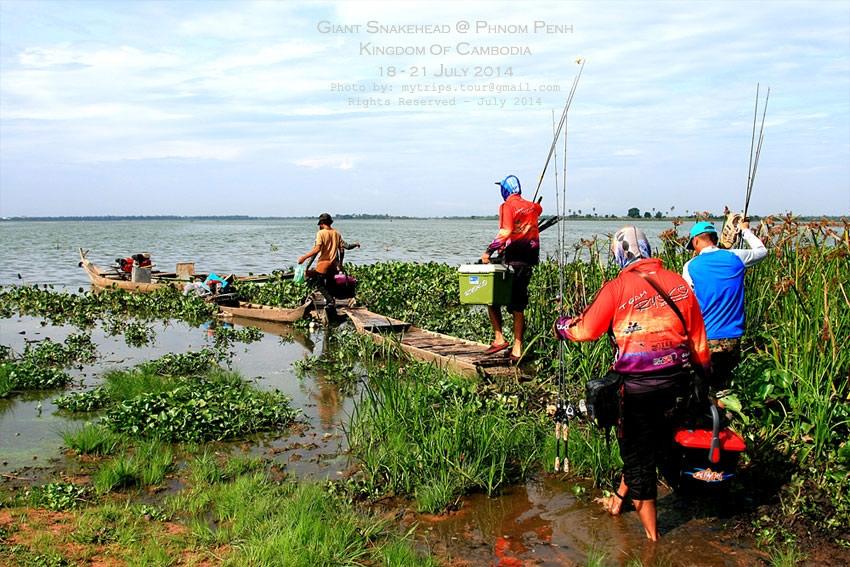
x=603 y=397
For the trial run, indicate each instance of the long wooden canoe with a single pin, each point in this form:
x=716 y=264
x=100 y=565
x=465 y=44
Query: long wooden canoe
x=451 y=353
x=265 y=312
x=112 y=279
x=103 y=279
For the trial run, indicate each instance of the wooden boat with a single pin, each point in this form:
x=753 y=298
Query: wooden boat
x=266 y=312
x=113 y=279
x=468 y=358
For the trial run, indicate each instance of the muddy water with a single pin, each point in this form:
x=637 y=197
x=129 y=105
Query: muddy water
x=544 y=523
x=31 y=426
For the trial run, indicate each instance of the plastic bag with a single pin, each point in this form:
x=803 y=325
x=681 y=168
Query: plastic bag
x=299 y=274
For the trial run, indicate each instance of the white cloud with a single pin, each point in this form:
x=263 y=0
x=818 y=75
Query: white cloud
x=343 y=162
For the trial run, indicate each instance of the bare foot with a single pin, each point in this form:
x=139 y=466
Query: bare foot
x=611 y=504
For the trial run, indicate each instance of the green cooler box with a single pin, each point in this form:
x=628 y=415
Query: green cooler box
x=485 y=284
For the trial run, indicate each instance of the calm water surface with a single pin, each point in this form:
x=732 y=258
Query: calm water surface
x=46 y=252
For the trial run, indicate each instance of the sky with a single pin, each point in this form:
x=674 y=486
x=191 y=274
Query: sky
x=294 y=108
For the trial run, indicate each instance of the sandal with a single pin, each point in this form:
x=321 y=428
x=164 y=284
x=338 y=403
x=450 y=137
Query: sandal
x=496 y=348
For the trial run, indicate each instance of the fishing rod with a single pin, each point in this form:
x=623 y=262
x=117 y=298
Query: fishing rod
x=755 y=154
x=580 y=61
x=564 y=409
x=755 y=163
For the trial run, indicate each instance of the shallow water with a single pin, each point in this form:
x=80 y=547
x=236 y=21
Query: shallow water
x=544 y=523
x=31 y=426
x=46 y=252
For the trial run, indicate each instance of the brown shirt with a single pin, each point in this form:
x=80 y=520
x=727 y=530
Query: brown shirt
x=329 y=241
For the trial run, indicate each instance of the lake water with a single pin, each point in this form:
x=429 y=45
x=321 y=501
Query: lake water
x=46 y=252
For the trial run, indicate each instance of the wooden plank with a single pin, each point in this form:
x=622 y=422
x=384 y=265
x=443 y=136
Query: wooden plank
x=450 y=353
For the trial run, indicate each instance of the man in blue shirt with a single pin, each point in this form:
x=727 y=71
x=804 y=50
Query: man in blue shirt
x=717 y=277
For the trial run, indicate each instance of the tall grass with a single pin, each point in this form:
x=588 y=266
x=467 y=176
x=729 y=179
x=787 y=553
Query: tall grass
x=267 y=523
x=92 y=439
x=147 y=465
x=419 y=432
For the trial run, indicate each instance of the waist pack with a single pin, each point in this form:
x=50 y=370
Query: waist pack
x=603 y=397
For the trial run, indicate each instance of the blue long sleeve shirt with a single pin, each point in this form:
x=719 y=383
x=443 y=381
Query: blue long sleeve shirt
x=717 y=277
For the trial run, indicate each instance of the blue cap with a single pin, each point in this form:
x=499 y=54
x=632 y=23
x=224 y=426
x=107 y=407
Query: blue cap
x=702 y=227
x=509 y=186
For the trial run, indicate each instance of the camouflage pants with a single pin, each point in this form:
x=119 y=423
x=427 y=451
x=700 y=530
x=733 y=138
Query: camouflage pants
x=725 y=356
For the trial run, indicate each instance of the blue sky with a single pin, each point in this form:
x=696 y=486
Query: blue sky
x=230 y=108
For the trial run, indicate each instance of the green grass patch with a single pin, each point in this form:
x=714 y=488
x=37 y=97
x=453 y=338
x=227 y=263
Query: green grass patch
x=420 y=433
x=301 y=522
x=92 y=439
x=147 y=465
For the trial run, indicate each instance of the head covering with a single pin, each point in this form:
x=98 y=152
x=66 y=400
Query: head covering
x=702 y=227
x=629 y=244
x=509 y=186
x=325 y=218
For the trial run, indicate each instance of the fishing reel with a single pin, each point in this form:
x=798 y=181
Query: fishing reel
x=565 y=411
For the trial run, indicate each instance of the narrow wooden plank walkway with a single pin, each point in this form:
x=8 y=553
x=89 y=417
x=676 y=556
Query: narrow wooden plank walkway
x=451 y=353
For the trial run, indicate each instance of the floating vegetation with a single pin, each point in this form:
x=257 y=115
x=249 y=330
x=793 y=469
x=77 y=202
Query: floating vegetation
x=216 y=407
x=278 y=291
x=138 y=334
x=183 y=364
x=224 y=336
x=25 y=375
x=421 y=433
x=425 y=295
x=84 y=309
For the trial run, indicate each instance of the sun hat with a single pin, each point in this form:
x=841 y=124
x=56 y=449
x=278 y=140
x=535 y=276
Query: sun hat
x=702 y=227
x=509 y=186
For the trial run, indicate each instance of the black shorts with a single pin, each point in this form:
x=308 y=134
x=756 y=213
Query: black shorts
x=519 y=287
x=647 y=439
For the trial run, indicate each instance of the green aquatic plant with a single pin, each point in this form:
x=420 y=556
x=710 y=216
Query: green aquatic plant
x=138 y=334
x=183 y=364
x=26 y=375
x=225 y=336
x=421 y=433
x=216 y=407
x=279 y=291
x=85 y=309
x=56 y=495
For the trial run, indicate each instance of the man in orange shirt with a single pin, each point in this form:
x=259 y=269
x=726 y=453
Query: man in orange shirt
x=328 y=248
x=654 y=353
x=518 y=241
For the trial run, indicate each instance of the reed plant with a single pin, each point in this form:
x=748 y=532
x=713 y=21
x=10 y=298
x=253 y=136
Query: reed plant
x=419 y=432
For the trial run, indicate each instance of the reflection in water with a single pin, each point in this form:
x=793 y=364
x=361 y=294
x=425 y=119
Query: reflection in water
x=542 y=523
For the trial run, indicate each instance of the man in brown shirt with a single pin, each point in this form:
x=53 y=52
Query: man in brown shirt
x=326 y=249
